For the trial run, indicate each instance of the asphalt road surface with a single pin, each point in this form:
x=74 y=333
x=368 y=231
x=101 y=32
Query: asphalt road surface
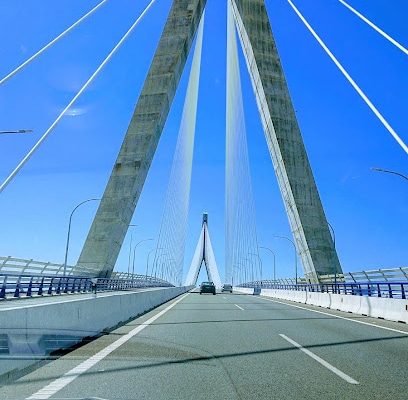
x=231 y=346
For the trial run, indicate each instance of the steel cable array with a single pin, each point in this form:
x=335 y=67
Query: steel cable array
x=173 y=229
x=241 y=242
x=76 y=97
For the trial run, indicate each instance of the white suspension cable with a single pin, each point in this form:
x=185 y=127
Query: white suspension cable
x=350 y=79
x=54 y=124
x=25 y=63
x=173 y=229
x=241 y=236
x=375 y=27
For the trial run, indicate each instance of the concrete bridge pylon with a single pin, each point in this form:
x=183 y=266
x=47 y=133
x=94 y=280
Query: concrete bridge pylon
x=299 y=192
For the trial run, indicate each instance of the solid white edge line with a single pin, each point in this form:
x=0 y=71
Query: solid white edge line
x=330 y=367
x=236 y=305
x=47 y=391
x=336 y=316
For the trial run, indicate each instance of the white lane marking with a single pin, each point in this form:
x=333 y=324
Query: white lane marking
x=337 y=316
x=236 y=305
x=58 y=384
x=330 y=367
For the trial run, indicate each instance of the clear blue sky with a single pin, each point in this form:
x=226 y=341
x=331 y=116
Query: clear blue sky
x=368 y=210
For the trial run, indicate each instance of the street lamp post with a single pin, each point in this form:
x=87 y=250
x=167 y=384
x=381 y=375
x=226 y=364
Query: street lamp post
x=164 y=266
x=274 y=261
x=260 y=264
x=242 y=272
x=147 y=262
x=252 y=268
x=238 y=272
x=16 y=131
x=334 y=262
x=170 y=273
x=232 y=275
x=69 y=231
x=155 y=265
x=294 y=246
x=130 y=249
x=134 y=254
x=390 y=172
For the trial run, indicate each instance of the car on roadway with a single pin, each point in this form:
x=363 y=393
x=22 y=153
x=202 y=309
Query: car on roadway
x=207 y=287
x=226 y=287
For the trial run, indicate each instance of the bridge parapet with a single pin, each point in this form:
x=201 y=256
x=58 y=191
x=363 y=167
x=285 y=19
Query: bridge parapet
x=18 y=286
x=29 y=325
x=377 y=306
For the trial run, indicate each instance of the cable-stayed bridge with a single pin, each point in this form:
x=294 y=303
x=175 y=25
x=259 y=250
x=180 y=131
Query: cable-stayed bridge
x=312 y=236
x=341 y=151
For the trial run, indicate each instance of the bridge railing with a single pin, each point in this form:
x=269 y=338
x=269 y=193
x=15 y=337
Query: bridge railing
x=374 y=275
x=399 y=274
x=20 y=266
x=11 y=265
x=396 y=290
x=29 y=285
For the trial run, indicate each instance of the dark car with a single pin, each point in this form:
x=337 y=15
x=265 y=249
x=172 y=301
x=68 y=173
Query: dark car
x=226 y=287
x=207 y=287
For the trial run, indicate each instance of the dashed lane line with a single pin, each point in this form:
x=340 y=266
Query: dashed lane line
x=330 y=367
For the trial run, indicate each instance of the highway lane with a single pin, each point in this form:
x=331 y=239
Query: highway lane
x=231 y=346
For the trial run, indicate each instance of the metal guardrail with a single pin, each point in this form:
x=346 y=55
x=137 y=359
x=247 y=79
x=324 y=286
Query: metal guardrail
x=375 y=275
x=11 y=265
x=399 y=274
x=339 y=283
x=129 y=276
x=395 y=290
x=28 y=285
x=20 y=266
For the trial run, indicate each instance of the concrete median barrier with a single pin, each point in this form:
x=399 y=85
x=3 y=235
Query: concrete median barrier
x=378 y=307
